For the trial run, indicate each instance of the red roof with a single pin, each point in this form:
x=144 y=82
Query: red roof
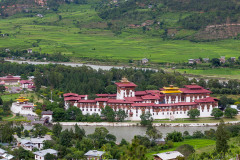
x=186 y=90
x=150 y=97
x=86 y=101
x=140 y=93
x=193 y=86
x=26 y=82
x=70 y=94
x=101 y=99
x=102 y=95
x=10 y=78
x=208 y=99
x=30 y=87
x=133 y=99
x=153 y=91
x=117 y=101
x=176 y=104
x=125 y=84
x=143 y=104
x=112 y=95
x=71 y=98
x=82 y=96
x=27 y=106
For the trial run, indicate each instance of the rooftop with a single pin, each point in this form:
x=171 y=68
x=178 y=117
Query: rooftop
x=42 y=153
x=94 y=153
x=169 y=155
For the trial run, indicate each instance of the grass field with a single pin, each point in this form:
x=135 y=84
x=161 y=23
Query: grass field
x=198 y=120
x=228 y=73
x=10 y=97
x=198 y=144
x=76 y=35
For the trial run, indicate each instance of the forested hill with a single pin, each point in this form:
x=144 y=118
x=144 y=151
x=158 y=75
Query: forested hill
x=175 y=19
x=175 y=15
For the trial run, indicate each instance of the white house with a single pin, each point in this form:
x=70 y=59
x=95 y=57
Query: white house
x=5 y=155
x=39 y=155
x=47 y=116
x=94 y=154
x=172 y=155
x=31 y=143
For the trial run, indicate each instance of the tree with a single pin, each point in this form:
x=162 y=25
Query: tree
x=109 y=114
x=215 y=62
x=135 y=151
x=58 y=114
x=1 y=101
x=217 y=113
x=198 y=134
x=26 y=133
x=65 y=138
x=21 y=153
x=49 y=156
x=79 y=132
x=175 y=136
x=186 y=150
x=39 y=130
x=193 y=113
x=121 y=115
x=230 y=112
x=153 y=133
x=222 y=138
x=38 y=112
x=146 y=119
x=73 y=113
x=57 y=128
x=2 y=88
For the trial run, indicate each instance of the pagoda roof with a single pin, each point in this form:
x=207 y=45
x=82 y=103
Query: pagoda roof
x=101 y=99
x=87 y=101
x=176 y=104
x=170 y=89
x=125 y=84
x=201 y=90
x=193 y=86
x=71 y=98
x=150 y=97
x=140 y=93
x=26 y=82
x=208 y=99
x=70 y=94
x=133 y=99
x=143 y=104
x=118 y=101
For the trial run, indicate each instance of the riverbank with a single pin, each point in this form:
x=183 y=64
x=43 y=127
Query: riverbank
x=129 y=124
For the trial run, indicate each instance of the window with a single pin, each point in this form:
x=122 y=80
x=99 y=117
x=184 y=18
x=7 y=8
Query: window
x=82 y=109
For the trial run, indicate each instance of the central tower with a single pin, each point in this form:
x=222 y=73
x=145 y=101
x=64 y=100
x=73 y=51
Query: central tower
x=125 y=89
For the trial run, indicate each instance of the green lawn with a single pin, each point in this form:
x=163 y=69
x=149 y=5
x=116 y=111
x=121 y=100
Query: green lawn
x=228 y=73
x=9 y=97
x=196 y=143
x=81 y=33
x=198 y=120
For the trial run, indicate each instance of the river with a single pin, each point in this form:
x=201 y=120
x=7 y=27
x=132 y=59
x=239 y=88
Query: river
x=128 y=133
x=97 y=67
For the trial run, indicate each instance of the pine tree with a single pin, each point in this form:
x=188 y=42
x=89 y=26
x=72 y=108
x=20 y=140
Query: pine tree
x=1 y=101
x=222 y=138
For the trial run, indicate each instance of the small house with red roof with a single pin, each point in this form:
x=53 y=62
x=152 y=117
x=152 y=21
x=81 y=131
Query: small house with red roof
x=26 y=84
x=10 y=80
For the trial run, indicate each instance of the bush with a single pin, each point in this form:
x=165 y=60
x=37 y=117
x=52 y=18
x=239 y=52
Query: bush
x=175 y=136
x=230 y=112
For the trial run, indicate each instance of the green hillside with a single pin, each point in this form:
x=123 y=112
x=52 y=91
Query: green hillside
x=81 y=30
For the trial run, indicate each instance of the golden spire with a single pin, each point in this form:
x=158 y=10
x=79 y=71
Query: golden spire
x=124 y=80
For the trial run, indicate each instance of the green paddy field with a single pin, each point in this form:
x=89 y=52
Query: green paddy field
x=81 y=33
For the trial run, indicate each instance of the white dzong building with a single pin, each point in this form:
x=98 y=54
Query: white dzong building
x=166 y=103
